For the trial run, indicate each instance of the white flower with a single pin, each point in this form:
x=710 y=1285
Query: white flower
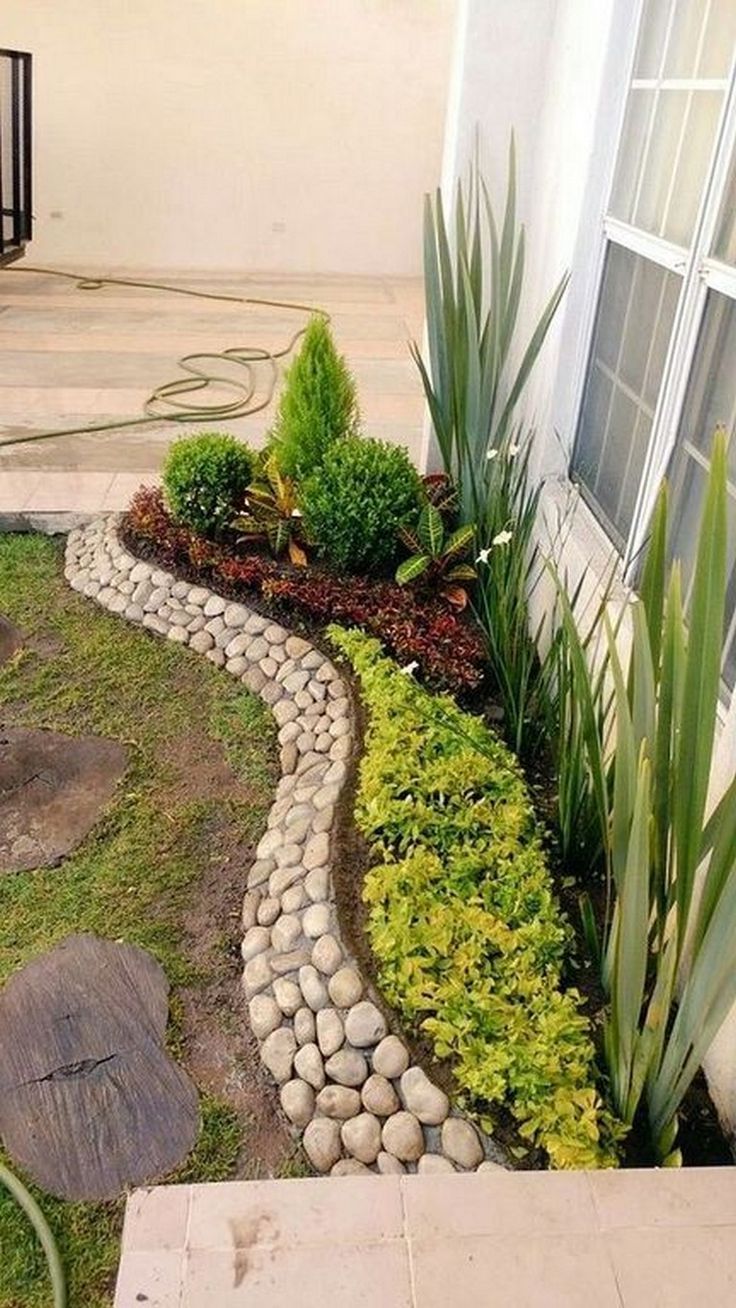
x=502 y=538
x=296 y=513
x=483 y=556
x=410 y=668
x=513 y=449
x=492 y=453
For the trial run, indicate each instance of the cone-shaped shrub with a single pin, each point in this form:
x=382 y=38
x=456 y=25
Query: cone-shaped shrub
x=318 y=405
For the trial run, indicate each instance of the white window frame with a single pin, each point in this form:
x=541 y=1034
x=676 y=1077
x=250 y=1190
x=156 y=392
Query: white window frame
x=699 y=271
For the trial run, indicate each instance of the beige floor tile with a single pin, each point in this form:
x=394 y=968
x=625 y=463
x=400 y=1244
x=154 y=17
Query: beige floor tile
x=16 y=487
x=228 y=1215
x=692 y=1196
x=520 y=1271
x=156 y=1218
x=150 y=1280
x=60 y=491
x=123 y=487
x=328 y=1276
x=539 y=1203
x=684 y=1267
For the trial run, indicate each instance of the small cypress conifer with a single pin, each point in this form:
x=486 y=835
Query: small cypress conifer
x=318 y=404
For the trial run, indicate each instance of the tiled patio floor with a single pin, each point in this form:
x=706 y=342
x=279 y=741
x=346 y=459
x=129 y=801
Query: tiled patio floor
x=70 y=357
x=515 y=1240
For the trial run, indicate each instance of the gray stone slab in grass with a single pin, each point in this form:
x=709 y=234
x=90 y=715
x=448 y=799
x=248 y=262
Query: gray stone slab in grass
x=10 y=639
x=90 y=1101
x=52 y=788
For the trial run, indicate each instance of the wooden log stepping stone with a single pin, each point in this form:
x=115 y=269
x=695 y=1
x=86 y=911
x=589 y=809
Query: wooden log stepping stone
x=90 y=1100
x=52 y=789
x=10 y=639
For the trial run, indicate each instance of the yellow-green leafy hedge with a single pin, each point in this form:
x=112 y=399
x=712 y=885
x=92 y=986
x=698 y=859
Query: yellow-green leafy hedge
x=467 y=933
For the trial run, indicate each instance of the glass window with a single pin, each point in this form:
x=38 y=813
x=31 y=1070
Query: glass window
x=710 y=402
x=637 y=306
x=672 y=118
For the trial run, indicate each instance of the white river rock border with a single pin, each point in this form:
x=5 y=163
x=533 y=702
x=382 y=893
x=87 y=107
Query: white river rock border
x=345 y=1082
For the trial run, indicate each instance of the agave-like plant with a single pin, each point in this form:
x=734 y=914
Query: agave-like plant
x=438 y=556
x=272 y=513
x=472 y=307
x=668 y=949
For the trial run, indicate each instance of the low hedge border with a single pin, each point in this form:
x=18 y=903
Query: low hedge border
x=469 y=938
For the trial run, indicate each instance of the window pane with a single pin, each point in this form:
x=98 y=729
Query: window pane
x=710 y=402
x=666 y=147
x=725 y=245
x=719 y=40
x=652 y=37
x=634 y=322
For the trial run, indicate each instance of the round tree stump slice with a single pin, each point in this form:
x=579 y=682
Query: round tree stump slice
x=10 y=639
x=52 y=788
x=90 y=1101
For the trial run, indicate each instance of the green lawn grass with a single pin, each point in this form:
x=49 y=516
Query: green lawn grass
x=86 y=671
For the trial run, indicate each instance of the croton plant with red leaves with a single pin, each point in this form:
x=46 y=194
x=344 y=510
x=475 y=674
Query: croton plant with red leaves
x=447 y=648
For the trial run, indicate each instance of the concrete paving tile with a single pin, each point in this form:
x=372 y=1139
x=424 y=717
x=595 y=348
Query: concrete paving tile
x=61 y=491
x=152 y=1279
x=156 y=1219
x=692 y=1196
x=16 y=487
x=538 y=1203
x=302 y=1212
x=521 y=1271
x=676 y=1268
x=330 y=1276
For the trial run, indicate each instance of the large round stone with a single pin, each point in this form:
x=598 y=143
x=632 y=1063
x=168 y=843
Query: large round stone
x=277 y=1052
x=297 y=1101
x=388 y=1165
x=308 y=1063
x=403 y=1137
x=361 y=1137
x=365 y=1025
x=426 y=1101
x=347 y=1067
x=322 y=1143
x=460 y=1142
x=345 y=989
x=391 y=1058
x=265 y=1015
x=379 y=1096
x=330 y=1031
x=338 y=1101
x=431 y=1163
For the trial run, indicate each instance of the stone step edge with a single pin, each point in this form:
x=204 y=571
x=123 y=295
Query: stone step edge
x=345 y=1082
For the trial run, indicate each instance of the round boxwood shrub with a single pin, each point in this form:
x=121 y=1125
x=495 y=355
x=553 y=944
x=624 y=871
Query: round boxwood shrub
x=355 y=503
x=205 y=478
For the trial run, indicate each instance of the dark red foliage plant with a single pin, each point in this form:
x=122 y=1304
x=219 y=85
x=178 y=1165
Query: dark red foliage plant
x=446 y=646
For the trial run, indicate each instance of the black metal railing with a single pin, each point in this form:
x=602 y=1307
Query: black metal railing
x=15 y=153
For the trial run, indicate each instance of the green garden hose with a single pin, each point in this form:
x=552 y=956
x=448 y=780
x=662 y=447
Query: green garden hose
x=171 y=401
x=25 y=1200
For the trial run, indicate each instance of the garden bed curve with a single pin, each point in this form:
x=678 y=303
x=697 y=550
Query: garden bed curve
x=346 y=1081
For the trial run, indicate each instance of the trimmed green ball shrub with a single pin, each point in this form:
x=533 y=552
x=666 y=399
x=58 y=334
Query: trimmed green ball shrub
x=318 y=404
x=469 y=938
x=205 y=478
x=355 y=503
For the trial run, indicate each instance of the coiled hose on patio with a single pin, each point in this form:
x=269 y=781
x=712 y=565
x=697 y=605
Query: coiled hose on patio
x=171 y=401
x=25 y=1200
